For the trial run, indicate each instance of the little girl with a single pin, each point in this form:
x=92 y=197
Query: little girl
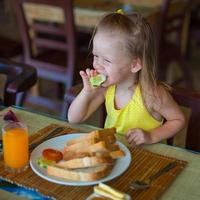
x=136 y=105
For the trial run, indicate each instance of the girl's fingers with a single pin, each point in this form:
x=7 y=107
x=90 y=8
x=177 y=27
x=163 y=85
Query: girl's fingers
x=138 y=141
x=88 y=72
x=95 y=72
x=83 y=75
x=85 y=78
x=134 y=138
x=130 y=133
x=131 y=138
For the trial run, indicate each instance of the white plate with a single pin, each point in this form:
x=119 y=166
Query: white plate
x=58 y=143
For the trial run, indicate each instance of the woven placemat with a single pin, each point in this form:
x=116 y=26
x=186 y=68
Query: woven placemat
x=143 y=164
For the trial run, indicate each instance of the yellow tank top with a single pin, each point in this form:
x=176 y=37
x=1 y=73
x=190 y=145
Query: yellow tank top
x=133 y=115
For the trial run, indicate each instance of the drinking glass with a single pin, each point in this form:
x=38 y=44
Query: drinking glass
x=15 y=147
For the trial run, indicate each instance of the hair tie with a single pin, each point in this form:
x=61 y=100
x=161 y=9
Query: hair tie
x=120 y=11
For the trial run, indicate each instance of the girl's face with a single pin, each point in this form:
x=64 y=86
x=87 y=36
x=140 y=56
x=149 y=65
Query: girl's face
x=111 y=58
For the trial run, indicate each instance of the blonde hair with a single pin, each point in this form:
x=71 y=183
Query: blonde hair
x=139 y=44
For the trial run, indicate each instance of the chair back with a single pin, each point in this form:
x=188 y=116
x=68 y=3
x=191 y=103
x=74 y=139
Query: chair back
x=172 y=19
x=41 y=36
x=19 y=78
x=170 y=41
x=190 y=100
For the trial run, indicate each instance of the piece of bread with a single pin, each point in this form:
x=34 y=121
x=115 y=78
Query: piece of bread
x=107 y=191
x=117 y=154
x=89 y=157
x=112 y=191
x=98 y=135
x=83 y=174
x=85 y=147
x=100 y=191
x=86 y=162
x=73 y=155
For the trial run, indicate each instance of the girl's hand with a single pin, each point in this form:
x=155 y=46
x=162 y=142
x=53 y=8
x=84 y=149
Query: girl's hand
x=138 y=136
x=86 y=75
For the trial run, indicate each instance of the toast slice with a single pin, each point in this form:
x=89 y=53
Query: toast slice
x=86 y=174
x=85 y=147
x=87 y=161
x=73 y=155
x=97 y=135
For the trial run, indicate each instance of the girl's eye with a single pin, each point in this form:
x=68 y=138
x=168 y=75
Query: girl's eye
x=95 y=56
x=108 y=61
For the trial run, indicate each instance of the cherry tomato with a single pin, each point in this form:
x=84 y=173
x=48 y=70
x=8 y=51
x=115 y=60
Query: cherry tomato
x=52 y=154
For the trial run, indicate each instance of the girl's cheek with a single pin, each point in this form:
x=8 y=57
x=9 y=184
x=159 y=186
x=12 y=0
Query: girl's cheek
x=95 y=65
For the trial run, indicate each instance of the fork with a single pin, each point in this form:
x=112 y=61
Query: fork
x=139 y=184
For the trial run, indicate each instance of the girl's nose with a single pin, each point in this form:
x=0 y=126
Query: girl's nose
x=97 y=65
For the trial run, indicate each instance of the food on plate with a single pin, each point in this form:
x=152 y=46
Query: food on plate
x=97 y=80
x=52 y=154
x=73 y=154
x=97 y=135
x=88 y=161
x=107 y=191
x=80 y=174
x=99 y=146
x=89 y=144
x=42 y=162
x=89 y=157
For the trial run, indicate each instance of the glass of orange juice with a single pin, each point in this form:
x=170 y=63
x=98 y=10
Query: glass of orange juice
x=15 y=147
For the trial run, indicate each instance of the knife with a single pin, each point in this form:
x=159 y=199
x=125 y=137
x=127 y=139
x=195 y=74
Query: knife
x=50 y=135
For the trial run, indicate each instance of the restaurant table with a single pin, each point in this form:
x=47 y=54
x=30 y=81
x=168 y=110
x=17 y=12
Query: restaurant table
x=185 y=186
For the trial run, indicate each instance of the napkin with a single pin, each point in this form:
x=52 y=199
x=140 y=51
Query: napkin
x=10 y=116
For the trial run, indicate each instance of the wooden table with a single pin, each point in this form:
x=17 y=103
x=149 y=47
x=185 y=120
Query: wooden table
x=186 y=186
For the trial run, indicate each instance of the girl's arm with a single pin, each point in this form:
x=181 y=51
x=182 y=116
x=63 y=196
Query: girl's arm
x=88 y=100
x=83 y=106
x=175 y=119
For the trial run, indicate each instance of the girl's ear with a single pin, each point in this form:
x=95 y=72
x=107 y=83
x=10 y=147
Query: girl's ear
x=136 y=65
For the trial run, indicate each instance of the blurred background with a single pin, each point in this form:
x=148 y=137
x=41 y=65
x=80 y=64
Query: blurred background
x=12 y=45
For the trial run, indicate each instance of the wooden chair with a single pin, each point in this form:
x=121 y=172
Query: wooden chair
x=50 y=46
x=19 y=78
x=169 y=40
x=9 y=48
x=191 y=100
x=194 y=27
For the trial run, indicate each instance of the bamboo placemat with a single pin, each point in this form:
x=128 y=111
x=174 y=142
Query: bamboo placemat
x=143 y=164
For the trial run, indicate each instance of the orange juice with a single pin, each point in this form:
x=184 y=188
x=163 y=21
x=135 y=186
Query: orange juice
x=15 y=147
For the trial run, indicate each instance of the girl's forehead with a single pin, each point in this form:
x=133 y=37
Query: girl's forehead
x=108 y=41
